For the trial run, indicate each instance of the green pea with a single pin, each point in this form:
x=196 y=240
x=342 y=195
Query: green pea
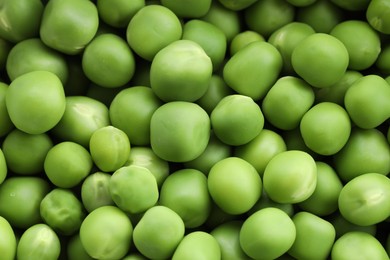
x=365 y=200
x=286 y=38
x=376 y=15
x=131 y=111
x=95 y=191
x=327 y=56
x=314 y=237
x=237 y=119
x=145 y=157
x=38 y=242
x=32 y=54
x=25 y=153
x=197 y=245
x=358 y=245
x=83 y=116
x=158 y=233
x=253 y=70
x=343 y=226
x=352 y=5
x=75 y=249
x=35 y=101
x=181 y=71
x=6 y=124
x=8 y=240
x=67 y=164
x=179 y=131
x=109 y=148
x=383 y=61
x=188 y=9
x=119 y=63
x=3 y=167
x=151 y=29
x=274 y=14
x=234 y=185
x=135 y=257
x=261 y=149
x=287 y=101
x=134 y=189
x=61 y=29
x=20 y=198
x=366 y=151
x=290 y=177
x=5 y=48
x=106 y=233
x=324 y=199
x=325 y=128
x=209 y=37
x=242 y=39
x=267 y=234
x=228 y=238
x=185 y=192
x=366 y=101
x=20 y=19
x=118 y=13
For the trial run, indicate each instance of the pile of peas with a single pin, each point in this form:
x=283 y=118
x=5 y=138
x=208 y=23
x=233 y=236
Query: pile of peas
x=197 y=129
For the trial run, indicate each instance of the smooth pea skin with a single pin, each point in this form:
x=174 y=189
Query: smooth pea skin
x=67 y=164
x=320 y=59
x=290 y=177
x=242 y=39
x=152 y=28
x=234 y=185
x=267 y=234
x=133 y=189
x=179 y=131
x=314 y=237
x=20 y=198
x=158 y=233
x=366 y=101
x=109 y=148
x=3 y=167
x=108 y=61
x=62 y=211
x=358 y=245
x=365 y=200
x=61 y=27
x=106 y=233
x=95 y=191
x=237 y=119
x=7 y=240
x=325 y=128
x=131 y=111
x=377 y=15
x=253 y=69
x=118 y=13
x=181 y=71
x=287 y=101
x=38 y=242
x=197 y=245
x=6 y=124
x=188 y=9
x=185 y=191
x=83 y=116
x=35 y=101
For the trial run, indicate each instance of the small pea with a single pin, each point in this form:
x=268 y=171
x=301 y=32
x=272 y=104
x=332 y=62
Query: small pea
x=95 y=191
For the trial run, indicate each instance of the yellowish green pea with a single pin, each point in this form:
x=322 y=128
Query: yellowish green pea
x=242 y=39
x=8 y=242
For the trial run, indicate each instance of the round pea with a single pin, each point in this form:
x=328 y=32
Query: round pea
x=106 y=233
x=234 y=185
x=26 y=153
x=20 y=198
x=320 y=59
x=61 y=27
x=188 y=9
x=179 y=131
x=131 y=111
x=67 y=164
x=35 y=101
x=108 y=61
x=6 y=124
x=197 y=245
x=38 y=242
x=8 y=240
x=376 y=15
x=118 y=13
x=181 y=71
x=242 y=39
x=290 y=177
x=95 y=191
x=133 y=189
x=237 y=119
x=151 y=29
x=3 y=167
x=185 y=192
x=365 y=200
x=267 y=234
x=158 y=233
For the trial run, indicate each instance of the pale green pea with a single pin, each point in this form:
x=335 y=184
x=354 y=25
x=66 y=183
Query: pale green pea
x=95 y=191
x=118 y=13
x=242 y=39
x=3 y=167
x=8 y=242
x=188 y=9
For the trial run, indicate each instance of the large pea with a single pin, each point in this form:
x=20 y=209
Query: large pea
x=7 y=240
x=376 y=15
